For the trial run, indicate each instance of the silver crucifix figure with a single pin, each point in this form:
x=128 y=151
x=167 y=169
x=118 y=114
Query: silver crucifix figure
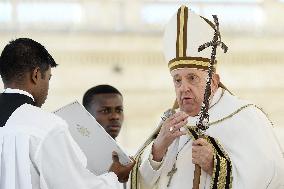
x=171 y=174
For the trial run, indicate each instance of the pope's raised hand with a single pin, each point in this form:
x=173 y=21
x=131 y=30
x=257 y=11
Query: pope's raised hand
x=170 y=130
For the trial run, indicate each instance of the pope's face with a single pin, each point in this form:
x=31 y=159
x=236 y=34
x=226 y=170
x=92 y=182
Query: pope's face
x=190 y=86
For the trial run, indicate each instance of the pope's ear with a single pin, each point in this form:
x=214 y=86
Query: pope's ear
x=215 y=82
x=35 y=75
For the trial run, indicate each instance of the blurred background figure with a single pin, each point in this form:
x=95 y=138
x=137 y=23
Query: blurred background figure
x=105 y=103
x=119 y=42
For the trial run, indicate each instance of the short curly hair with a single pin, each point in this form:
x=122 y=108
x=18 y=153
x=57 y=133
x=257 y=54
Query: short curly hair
x=21 y=56
x=99 y=89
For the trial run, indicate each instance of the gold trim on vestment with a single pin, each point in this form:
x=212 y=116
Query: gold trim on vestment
x=222 y=174
x=225 y=165
x=230 y=115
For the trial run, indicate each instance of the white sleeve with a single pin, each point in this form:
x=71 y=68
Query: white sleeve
x=150 y=170
x=60 y=167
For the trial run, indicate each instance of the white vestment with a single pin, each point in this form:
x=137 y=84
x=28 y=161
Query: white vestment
x=246 y=136
x=38 y=152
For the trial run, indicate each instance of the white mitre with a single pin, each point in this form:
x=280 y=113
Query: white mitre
x=184 y=34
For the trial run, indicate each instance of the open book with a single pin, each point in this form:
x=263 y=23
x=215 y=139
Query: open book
x=94 y=141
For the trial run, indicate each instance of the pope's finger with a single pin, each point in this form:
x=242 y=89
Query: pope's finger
x=200 y=142
x=180 y=125
x=181 y=116
x=195 y=161
x=179 y=133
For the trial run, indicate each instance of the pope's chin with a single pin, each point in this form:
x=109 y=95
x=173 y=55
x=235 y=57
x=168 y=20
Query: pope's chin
x=190 y=109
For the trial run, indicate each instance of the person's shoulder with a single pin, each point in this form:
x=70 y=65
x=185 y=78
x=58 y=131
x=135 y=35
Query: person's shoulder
x=256 y=112
x=247 y=108
x=234 y=100
x=228 y=104
x=243 y=103
x=35 y=120
x=41 y=115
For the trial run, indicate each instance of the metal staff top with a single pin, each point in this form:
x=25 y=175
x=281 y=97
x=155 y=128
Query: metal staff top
x=203 y=121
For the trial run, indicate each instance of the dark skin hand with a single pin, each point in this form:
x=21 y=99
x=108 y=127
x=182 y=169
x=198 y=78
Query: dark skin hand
x=122 y=171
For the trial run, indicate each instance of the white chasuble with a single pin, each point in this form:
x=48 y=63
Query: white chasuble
x=246 y=139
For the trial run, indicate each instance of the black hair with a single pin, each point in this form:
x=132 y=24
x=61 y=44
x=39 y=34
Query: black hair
x=99 y=89
x=21 y=56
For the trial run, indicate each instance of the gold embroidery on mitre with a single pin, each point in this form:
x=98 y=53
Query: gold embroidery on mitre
x=199 y=64
x=194 y=62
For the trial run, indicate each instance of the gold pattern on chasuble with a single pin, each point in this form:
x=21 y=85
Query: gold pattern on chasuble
x=222 y=173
